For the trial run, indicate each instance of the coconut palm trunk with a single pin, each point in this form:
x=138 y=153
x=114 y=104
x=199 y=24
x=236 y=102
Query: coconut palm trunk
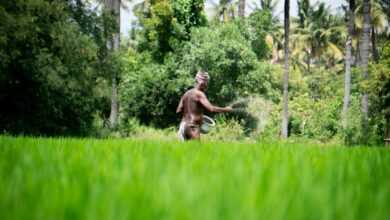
x=348 y=62
x=113 y=45
x=364 y=52
x=241 y=8
x=375 y=53
x=284 y=131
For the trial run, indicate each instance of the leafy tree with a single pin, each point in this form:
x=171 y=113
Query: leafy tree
x=386 y=7
x=224 y=10
x=317 y=37
x=378 y=89
x=274 y=36
x=46 y=67
x=269 y=5
x=260 y=25
x=169 y=23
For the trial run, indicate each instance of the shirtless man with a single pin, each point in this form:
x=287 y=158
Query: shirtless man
x=192 y=104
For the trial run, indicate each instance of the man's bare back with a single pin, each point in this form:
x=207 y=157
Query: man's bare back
x=192 y=105
x=191 y=108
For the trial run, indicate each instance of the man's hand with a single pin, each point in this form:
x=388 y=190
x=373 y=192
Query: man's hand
x=229 y=108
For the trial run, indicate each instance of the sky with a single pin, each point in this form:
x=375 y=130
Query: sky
x=127 y=16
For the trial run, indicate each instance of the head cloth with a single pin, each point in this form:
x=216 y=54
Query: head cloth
x=202 y=76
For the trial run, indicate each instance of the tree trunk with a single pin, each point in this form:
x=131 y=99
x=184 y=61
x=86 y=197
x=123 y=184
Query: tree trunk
x=114 y=43
x=375 y=53
x=286 y=69
x=241 y=8
x=364 y=52
x=348 y=62
x=308 y=62
x=275 y=55
x=225 y=15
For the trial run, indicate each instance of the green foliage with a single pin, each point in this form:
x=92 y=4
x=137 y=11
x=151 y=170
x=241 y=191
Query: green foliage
x=56 y=70
x=379 y=89
x=168 y=24
x=315 y=119
x=260 y=24
x=46 y=69
x=352 y=135
x=318 y=37
x=152 y=179
x=189 y=13
x=226 y=130
x=150 y=91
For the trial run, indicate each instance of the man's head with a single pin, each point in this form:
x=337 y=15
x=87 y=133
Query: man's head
x=202 y=80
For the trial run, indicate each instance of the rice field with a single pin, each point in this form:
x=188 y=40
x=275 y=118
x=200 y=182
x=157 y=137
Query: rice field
x=63 y=178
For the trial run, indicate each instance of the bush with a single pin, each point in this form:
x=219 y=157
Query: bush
x=225 y=130
x=47 y=78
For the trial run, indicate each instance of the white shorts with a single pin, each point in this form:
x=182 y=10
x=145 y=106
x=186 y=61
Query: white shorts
x=182 y=131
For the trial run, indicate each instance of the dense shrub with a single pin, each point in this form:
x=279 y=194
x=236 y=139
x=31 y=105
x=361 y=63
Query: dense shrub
x=167 y=24
x=47 y=75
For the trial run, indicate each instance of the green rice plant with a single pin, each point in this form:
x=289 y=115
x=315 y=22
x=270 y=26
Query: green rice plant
x=67 y=178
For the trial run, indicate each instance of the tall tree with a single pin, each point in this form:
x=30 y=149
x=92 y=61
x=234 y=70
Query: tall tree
x=274 y=36
x=379 y=23
x=348 y=62
x=386 y=7
x=317 y=36
x=286 y=69
x=48 y=50
x=241 y=8
x=269 y=5
x=226 y=10
x=364 y=53
x=113 y=7
x=304 y=11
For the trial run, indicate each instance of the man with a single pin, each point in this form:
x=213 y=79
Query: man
x=192 y=104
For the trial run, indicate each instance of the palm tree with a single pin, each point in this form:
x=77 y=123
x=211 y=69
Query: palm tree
x=224 y=10
x=241 y=8
x=364 y=53
x=386 y=7
x=142 y=8
x=286 y=69
x=269 y=5
x=317 y=36
x=348 y=62
x=274 y=38
x=378 y=23
x=304 y=10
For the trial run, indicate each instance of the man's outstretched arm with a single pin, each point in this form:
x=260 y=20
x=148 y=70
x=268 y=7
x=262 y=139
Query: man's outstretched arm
x=211 y=108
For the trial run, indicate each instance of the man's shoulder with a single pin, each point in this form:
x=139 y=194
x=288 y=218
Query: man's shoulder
x=198 y=93
x=193 y=94
x=193 y=91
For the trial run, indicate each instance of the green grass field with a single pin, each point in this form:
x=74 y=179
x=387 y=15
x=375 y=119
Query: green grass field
x=140 y=179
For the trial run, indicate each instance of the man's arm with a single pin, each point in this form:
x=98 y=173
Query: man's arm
x=211 y=108
x=180 y=106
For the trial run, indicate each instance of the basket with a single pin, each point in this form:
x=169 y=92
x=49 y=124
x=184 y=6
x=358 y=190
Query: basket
x=207 y=124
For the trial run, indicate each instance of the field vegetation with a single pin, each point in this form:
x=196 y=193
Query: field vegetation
x=64 y=178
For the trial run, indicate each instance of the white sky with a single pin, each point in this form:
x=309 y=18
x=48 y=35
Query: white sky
x=127 y=15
